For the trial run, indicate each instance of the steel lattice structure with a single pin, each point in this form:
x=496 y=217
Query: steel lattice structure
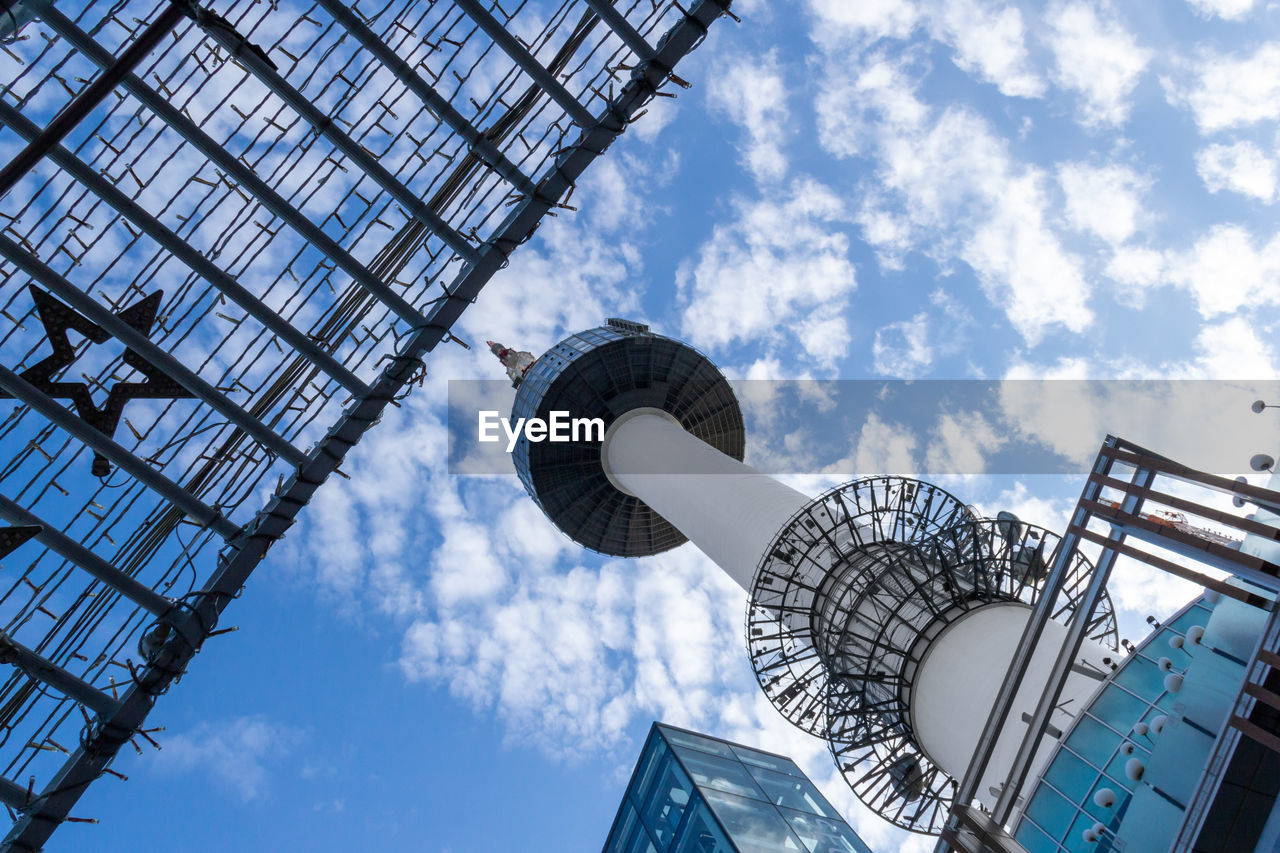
x=240 y=227
x=849 y=599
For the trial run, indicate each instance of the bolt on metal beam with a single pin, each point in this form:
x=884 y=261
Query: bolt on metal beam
x=45 y=670
x=483 y=147
x=69 y=549
x=225 y=36
x=127 y=462
x=622 y=28
x=235 y=169
x=136 y=341
x=509 y=45
x=90 y=97
x=183 y=251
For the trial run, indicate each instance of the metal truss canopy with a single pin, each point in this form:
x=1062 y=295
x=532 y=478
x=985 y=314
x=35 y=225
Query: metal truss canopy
x=303 y=204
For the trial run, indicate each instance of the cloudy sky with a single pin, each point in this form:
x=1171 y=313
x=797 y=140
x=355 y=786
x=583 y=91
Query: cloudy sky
x=939 y=189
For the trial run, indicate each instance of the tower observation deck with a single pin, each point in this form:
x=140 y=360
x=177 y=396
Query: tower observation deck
x=882 y=615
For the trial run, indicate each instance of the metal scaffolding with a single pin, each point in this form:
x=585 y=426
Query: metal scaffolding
x=230 y=234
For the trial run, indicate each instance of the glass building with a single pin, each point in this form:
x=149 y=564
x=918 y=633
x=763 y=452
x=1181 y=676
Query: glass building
x=691 y=793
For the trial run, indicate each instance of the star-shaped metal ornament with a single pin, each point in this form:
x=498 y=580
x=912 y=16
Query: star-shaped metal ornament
x=11 y=538
x=57 y=320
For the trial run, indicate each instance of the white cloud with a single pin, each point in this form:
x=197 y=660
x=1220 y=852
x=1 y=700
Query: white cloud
x=902 y=349
x=778 y=274
x=989 y=40
x=1233 y=349
x=1232 y=91
x=960 y=443
x=1226 y=271
x=1241 y=167
x=236 y=754
x=962 y=196
x=1231 y=10
x=1105 y=201
x=1097 y=58
x=750 y=91
x=839 y=21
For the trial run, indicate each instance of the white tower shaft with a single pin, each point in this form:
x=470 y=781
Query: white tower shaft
x=731 y=511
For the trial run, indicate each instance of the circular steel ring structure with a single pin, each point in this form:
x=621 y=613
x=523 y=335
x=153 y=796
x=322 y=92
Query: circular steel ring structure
x=926 y=587
x=819 y=539
x=605 y=373
x=875 y=570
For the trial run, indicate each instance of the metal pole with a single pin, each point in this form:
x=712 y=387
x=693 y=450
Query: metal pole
x=439 y=105
x=66 y=547
x=1017 y=669
x=245 y=176
x=130 y=464
x=1017 y=774
x=139 y=343
x=537 y=71
x=89 y=98
x=183 y=251
x=622 y=28
x=222 y=33
x=43 y=669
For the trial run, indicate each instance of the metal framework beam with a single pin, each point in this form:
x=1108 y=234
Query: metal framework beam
x=434 y=101
x=127 y=462
x=136 y=341
x=44 y=670
x=12 y=794
x=89 y=98
x=60 y=794
x=224 y=35
x=184 y=252
x=69 y=549
x=512 y=47
x=622 y=28
x=242 y=174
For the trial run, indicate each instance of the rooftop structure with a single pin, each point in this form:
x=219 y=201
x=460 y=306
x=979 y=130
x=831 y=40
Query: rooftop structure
x=693 y=793
x=233 y=232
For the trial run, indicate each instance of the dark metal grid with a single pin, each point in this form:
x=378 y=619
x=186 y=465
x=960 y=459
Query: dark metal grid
x=56 y=619
x=816 y=542
x=603 y=373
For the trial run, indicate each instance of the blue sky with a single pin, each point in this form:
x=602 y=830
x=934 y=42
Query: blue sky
x=886 y=189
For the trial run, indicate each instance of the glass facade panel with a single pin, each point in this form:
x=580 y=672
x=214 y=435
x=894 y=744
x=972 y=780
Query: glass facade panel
x=1034 y=840
x=792 y=792
x=1050 y=811
x=629 y=835
x=695 y=794
x=822 y=835
x=676 y=737
x=753 y=829
x=701 y=833
x=763 y=759
x=712 y=771
x=665 y=800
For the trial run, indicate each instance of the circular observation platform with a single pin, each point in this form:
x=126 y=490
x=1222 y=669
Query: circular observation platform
x=605 y=373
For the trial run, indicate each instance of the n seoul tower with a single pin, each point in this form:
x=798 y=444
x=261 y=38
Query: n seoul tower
x=883 y=613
